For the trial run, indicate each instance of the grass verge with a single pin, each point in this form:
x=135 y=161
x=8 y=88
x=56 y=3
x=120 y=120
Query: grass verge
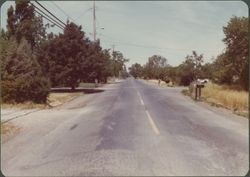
x=224 y=96
x=25 y=105
x=8 y=130
x=87 y=85
x=56 y=99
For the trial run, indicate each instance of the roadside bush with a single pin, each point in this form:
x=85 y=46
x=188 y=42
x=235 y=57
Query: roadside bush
x=191 y=88
x=22 y=79
x=190 y=91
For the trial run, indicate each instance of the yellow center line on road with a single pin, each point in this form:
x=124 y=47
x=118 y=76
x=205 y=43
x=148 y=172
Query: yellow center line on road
x=141 y=100
x=151 y=121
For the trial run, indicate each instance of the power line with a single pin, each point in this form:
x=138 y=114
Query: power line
x=144 y=46
x=83 y=14
x=50 y=13
x=94 y=22
x=49 y=20
x=61 y=10
x=94 y=27
x=44 y=15
x=147 y=46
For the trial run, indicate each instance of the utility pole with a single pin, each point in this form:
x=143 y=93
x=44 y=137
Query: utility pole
x=94 y=22
x=113 y=48
x=113 y=54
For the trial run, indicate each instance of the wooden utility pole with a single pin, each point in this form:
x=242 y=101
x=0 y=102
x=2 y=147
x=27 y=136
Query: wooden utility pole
x=94 y=22
x=113 y=56
x=113 y=48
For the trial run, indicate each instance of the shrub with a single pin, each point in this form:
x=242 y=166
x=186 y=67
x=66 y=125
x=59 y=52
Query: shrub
x=22 y=79
x=191 y=88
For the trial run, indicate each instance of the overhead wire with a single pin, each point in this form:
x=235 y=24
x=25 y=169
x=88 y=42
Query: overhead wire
x=82 y=14
x=117 y=42
x=50 y=12
x=49 y=20
x=147 y=46
x=44 y=15
x=58 y=7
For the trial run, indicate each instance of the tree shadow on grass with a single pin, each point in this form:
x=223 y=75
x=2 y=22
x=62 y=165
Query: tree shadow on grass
x=69 y=90
x=113 y=83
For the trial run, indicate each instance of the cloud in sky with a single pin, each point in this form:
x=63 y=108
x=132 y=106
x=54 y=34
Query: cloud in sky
x=140 y=29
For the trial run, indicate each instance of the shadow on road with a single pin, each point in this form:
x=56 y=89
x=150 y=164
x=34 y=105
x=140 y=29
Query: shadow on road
x=69 y=90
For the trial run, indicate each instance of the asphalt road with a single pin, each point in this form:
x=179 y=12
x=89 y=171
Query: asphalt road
x=128 y=128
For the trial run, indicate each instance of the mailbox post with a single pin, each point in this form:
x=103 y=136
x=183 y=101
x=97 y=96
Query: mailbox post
x=198 y=87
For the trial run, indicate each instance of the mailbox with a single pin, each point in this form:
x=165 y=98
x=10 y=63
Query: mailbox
x=198 y=87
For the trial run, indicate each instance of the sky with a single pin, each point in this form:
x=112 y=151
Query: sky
x=140 y=29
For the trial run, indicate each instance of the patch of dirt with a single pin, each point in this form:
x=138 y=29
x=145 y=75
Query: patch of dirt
x=56 y=99
x=242 y=113
x=9 y=130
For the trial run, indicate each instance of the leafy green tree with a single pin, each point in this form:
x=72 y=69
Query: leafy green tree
x=190 y=69
x=3 y=35
x=124 y=73
x=196 y=61
x=117 y=63
x=237 y=49
x=64 y=56
x=154 y=65
x=136 y=70
x=11 y=22
x=4 y=43
x=96 y=63
x=46 y=51
x=22 y=79
x=231 y=67
x=23 y=23
x=207 y=71
x=222 y=73
x=106 y=68
x=71 y=58
x=172 y=74
x=186 y=72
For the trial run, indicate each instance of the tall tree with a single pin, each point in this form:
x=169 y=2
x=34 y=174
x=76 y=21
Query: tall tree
x=11 y=22
x=3 y=34
x=65 y=55
x=190 y=69
x=118 y=62
x=22 y=79
x=95 y=64
x=237 y=49
x=136 y=70
x=4 y=43
x=222 y=70
x=106 y=70
x=196 y=61
x=154 y=65
x=23 y=23
x=186 y=72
